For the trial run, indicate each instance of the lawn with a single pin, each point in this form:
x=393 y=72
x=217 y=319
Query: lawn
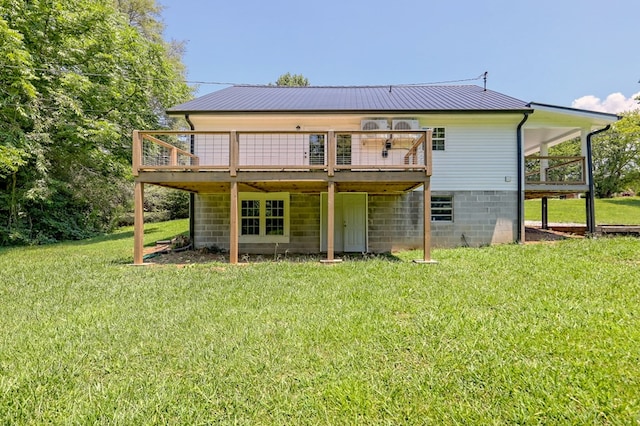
x=512 y=334
x=611 y=211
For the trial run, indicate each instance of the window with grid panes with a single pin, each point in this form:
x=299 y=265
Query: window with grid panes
x=264 y=217
x=437 y=139
x=441 y=208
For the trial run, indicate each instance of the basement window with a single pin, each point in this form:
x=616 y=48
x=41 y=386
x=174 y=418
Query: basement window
x=264 y=217
x=442 y=208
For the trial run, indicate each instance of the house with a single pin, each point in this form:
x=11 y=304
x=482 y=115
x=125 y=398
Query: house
x=362 y=169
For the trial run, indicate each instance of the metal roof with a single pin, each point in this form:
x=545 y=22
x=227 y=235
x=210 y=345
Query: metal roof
x=369 y=99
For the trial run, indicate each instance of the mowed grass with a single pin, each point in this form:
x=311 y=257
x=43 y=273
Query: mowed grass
x=534 y=334
x=609 y=211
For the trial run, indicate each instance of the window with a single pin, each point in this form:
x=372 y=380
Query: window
x=442 y=208
x=264 y=217
x=437 y=139
x=316 y=150
x=343 y=149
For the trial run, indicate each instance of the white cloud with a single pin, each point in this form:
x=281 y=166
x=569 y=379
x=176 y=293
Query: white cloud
x=615 y=103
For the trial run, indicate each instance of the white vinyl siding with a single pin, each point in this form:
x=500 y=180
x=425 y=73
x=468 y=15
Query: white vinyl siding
x=480 y=155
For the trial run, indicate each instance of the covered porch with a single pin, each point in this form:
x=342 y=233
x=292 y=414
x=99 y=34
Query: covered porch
x=548 y=176
x=330 y=162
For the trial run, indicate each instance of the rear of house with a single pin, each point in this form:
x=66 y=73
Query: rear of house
x=356 y=169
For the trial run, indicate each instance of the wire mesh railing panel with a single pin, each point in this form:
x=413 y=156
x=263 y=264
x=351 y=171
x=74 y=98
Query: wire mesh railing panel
x=285 y=150
x=211 y=149
x=357 y=150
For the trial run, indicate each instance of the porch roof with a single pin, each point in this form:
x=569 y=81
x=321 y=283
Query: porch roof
x=551 y=124
x=365 y=99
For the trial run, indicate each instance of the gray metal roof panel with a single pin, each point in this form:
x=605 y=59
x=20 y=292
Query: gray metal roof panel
x=353 y=98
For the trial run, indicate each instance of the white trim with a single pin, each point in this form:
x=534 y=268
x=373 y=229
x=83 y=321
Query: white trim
x=263 y=237
x=575 y=112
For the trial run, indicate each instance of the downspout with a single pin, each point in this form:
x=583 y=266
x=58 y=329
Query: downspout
x=591 y=210
x=520 y=220
x=192 y=196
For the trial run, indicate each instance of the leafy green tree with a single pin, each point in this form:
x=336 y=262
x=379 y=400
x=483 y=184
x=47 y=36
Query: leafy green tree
x=616 y=156
x=289 y=79
x=76 y=78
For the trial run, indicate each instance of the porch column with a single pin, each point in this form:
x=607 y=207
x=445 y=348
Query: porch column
x=544 y=163
x=233 y=224
x=138 y=223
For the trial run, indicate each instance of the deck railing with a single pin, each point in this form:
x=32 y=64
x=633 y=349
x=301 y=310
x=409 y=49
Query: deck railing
x=555 y=170
x=281 y=151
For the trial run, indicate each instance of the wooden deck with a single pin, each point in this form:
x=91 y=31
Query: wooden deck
x=375 y=162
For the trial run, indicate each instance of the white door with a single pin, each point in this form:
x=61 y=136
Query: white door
x=350 y=218
x=354 y=217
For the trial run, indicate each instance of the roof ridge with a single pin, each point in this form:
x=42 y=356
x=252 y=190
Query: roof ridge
x=373 y=86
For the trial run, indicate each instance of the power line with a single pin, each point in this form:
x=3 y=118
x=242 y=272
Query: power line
x=220 y=83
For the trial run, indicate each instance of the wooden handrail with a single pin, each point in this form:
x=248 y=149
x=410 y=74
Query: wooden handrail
x=168 y=145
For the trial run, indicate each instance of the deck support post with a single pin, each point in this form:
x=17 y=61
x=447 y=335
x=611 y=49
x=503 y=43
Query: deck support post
x=426 y=238
x=138 y=223
x=545 y=213
x=233 y=224
x=331 y=224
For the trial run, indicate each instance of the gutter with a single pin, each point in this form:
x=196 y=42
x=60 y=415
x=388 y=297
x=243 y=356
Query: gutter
x=375 y=112
x=192 y=196
x=520 y=208
x=591 y=199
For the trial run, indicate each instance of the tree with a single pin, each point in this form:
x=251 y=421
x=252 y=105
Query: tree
x=288 y=79
x=76 y=78
x=616 y=156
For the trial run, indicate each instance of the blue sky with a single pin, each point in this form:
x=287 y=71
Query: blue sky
x=544 y=51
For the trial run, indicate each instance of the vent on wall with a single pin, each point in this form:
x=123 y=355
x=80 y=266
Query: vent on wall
x=374 y=125
x=405 y=124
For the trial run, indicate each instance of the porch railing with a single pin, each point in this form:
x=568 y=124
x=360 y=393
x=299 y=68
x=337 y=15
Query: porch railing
x=555 y=170
x=281 y=151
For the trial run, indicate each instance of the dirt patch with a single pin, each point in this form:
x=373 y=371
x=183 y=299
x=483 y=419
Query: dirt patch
x=537 y=235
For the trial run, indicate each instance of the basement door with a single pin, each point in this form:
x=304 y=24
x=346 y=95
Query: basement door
x=350 y=233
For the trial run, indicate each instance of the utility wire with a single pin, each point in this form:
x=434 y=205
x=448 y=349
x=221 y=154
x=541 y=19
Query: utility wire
x=220 y=83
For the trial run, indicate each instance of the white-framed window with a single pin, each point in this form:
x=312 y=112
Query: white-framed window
x=441 y=208
x=438 y=139
x=264 y=217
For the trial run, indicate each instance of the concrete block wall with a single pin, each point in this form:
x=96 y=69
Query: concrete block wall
x=212 y=225
x=479 y=218
x=394 y=222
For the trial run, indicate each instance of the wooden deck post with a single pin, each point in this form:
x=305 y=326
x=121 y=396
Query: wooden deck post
x=137 y=153
x=331 y=223
x=426 y=209
x=332 y=154
x=138 y=224
x=234 y=153
x=233 y=224
x=427 y=222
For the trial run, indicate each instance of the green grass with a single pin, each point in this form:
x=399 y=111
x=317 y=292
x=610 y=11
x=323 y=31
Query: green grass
x=613 y=211
x=535 y=334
